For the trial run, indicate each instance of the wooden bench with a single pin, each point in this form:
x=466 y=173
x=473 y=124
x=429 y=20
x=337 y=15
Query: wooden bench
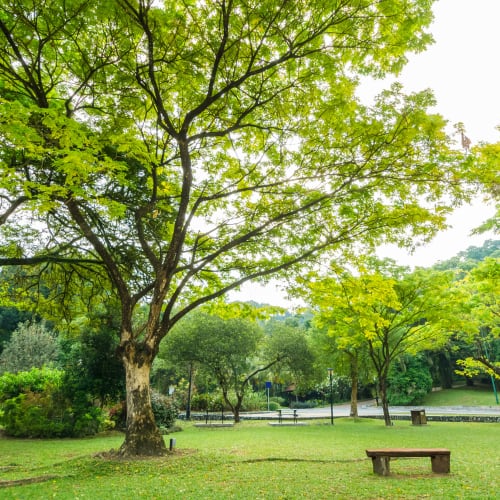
x=440 y=458
x=284 y=413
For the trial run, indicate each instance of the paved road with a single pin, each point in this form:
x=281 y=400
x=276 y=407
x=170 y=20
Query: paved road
x=369 y=408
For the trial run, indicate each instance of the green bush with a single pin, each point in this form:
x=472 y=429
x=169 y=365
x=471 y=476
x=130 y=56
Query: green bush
x=34 y=380
x=278 y=400
x=303 y=404
x=164 y=410
x=34 y=404
x=409 y=382
x=200 y=402
x=273 y=406
x=254 y=401
x=203 y=402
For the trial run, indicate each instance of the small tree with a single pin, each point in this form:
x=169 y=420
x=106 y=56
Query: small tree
x=288 y=341
x=349 y=359
x=225 y=348
x=388 y=311
x=32 y=345
x=235 y=351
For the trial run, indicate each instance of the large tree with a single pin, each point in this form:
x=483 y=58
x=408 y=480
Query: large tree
x=177 y=151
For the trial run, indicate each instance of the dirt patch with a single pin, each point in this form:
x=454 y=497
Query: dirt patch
x=115 y=455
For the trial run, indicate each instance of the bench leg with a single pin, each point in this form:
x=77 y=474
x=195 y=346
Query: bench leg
x=381 y=465
x=440 y=464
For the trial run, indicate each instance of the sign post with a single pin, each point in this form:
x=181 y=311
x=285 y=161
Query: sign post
x=268 y=386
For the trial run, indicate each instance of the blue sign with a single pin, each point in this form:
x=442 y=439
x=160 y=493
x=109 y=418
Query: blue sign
x=268 y=385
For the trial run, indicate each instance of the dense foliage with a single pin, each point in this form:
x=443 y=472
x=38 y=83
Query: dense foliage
x=409 y=381
x=90 y=362
x=36 y=404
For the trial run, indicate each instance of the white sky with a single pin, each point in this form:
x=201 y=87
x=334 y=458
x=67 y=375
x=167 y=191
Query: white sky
x=462 y=69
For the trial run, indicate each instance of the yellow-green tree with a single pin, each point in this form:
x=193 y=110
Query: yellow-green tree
x=479 y=313
x=386 y=311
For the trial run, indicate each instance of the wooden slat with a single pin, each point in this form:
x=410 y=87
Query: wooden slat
x=407 y=452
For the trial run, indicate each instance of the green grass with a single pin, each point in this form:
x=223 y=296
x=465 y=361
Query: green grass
x=481 y=395
x=257 y=461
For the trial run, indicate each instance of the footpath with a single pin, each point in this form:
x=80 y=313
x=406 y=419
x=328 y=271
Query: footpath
x=369 y=409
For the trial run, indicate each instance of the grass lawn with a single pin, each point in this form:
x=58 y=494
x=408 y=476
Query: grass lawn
x=479 y=395
x=256 y=461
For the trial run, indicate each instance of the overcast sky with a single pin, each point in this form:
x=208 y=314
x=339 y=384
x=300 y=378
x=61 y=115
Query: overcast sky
x=463 y=71
x=461 y=68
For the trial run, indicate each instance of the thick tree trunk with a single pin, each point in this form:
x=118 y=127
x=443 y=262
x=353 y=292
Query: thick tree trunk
x=142 y=437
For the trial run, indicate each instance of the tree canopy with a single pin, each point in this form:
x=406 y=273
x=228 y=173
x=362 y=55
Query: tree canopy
x=171 y=152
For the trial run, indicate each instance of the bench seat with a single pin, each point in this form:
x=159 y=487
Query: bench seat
x=284 y=413
x=440 y=458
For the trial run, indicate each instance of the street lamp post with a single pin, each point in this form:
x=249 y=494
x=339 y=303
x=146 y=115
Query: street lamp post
x=330 y=373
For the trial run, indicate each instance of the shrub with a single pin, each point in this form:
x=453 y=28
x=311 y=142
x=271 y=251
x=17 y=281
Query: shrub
x=273 y=406
x=409 y=382
x=278 y=400
x=164 y=410
x=34 y=404
x=35 y=380
x=303 y=404
x=202 y=402
x=254 y=401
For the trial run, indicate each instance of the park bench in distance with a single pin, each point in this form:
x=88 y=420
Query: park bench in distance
x=440 y=458
x=284 y=413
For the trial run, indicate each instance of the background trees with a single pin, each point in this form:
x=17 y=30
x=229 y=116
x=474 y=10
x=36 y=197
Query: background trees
x=223 y=351
x=170 y=154
x=32 y=345
x=235 y=351
x=92 y=367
